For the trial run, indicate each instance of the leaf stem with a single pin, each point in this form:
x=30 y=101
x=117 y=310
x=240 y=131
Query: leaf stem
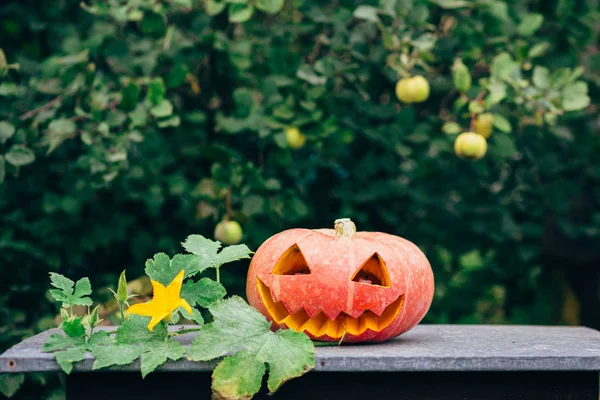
x=228 y=210
x=183 y=331
x=325 y=344
x=218 y=274
x=46 y=106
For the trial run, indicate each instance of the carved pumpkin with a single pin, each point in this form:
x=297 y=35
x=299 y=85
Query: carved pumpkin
x=368 y=286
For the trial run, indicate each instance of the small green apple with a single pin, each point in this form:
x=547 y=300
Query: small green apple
x=483 y=124
x=420 y=88
x=295 y=138
x=470 y=146
x=228 y=232
x=412 y=90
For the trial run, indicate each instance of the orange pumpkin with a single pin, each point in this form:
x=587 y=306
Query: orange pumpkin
x=368 y=286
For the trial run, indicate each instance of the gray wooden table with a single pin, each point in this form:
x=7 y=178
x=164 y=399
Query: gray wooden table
x=430 y=362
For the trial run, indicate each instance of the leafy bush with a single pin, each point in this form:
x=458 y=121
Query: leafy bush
x=126 y=125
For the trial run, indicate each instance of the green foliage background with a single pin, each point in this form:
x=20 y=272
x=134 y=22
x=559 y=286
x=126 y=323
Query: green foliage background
x=126 y=124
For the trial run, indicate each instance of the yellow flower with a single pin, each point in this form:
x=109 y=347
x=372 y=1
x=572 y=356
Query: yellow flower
x=165 y=300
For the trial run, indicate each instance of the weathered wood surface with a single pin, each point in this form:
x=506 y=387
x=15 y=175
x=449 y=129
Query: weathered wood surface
x=425 y=348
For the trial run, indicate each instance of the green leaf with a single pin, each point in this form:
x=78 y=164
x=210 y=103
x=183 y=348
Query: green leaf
x=159 y=353
x=238 y=376
x=240 y=12
x=539 y=49
x=231 y=124
x=19 y=156
x=56 y=341
x=129 y=96
x=70 y=350
x=59 y=130
x=204 y=292
x=139 y=116
x=476 y=107
x=213 y=7
x=68 y=295
x=575 y=97
x=233 y=253
x=296 y=347
x=8 y=88
x=159 y=269
x=164 y=109
x=7 y=130
x=133 y=339
x=503 y=65
x=172 y=122
x=162 y=269
x=529 y=24
x=307 y=73
x=269 y=6
x=115 y=355
x=502 y=123
x=541 y=77
x=368 y=13
x=62 y=126
x=156 y=91
x=83 y=287
x=461 y=76
x=238 y=327
x=425 y=42
x=452 y=4
x=561 y=77
x=195 y=316
x=498 y=9
x=451 y=128
x=61 y=282
x=10 y=383
x=207 y=250
x=3 y=62
x=471 y=260
x=497 y=93
x=135 y=15
x=73 y=327
x=190 y=263
x=135 y=330
x=183 y=3
x=177 y=75
x=66 y=358
x=284 y=112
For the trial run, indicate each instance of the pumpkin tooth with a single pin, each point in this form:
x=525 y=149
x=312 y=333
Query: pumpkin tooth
x=352 y=325
x=330 y=329
x=378 y=309
x=313 y=325
x=276 y=309
x=368 y=321
x=391 y=312
x=342 y=327
x=296 y=320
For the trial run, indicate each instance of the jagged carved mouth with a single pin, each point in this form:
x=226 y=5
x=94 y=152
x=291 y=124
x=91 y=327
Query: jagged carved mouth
x=321 y=325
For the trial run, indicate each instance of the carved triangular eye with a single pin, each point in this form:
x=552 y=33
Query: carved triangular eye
x=292 y=262
x=373 y=272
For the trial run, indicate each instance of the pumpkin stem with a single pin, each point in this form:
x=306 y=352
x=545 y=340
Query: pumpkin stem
x=344 y=228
